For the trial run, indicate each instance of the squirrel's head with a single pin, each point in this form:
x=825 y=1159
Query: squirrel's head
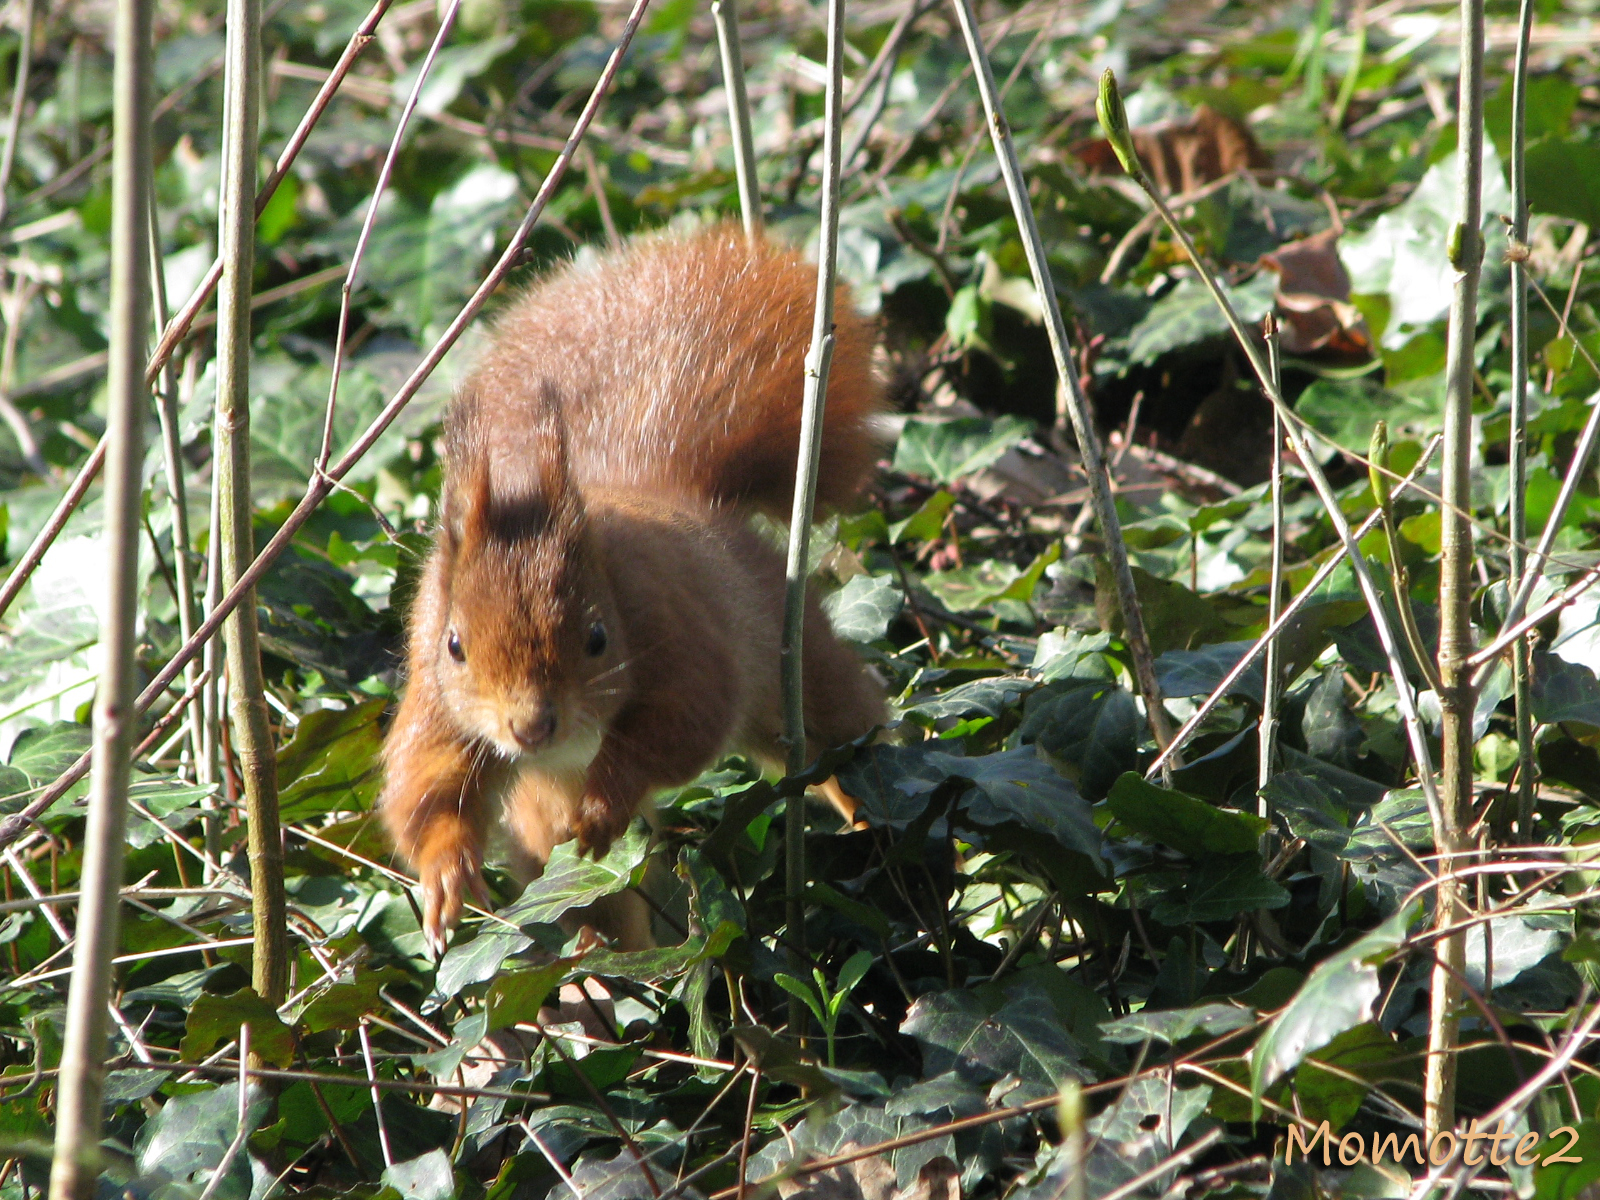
x=529 y=659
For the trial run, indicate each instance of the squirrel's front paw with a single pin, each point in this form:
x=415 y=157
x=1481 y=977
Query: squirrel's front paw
x=446 y=881
x=597 y=824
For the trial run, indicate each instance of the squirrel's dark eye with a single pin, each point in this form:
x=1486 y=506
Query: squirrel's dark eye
x=453 y=644
x=597 y=640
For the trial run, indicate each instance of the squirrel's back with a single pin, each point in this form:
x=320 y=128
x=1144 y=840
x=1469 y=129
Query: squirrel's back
x=677 y=364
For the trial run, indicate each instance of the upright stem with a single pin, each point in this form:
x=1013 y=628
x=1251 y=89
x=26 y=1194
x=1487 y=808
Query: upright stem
x=1527 y=765
x=19 y=100
x=81 y=1084
x=172 y=465
x=726 y=16
x=1455 y=587
x=252 y=734
x=818 y=361
x=1273 y=690
x=1072 y=404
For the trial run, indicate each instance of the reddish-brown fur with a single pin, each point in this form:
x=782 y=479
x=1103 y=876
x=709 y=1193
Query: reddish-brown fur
x=600 y=466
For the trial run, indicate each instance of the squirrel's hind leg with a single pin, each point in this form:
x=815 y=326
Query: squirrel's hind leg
x=843 y=700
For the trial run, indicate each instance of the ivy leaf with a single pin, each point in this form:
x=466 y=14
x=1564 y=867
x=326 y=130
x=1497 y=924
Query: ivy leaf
x=1187 y=314
x=1336 y=996
x=516 y=996
x=1095 y=727
x=863 y=608
x=1189 y=826
x=467 y=963
x=191 y=1134
x=989 y=697
x=331 y=762
x=945 y=451
x=1173 y=1025
x=1219 y=888
x=957 y=1032
x=1564 y=691
x=927 y=522
x=572 y=881
x=217 y=1018
x=1200 y=672
x=1332 y=1082
x=428 y=1177
x=343 y=1004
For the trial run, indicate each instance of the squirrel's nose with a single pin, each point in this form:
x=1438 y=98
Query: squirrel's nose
x=534 y=729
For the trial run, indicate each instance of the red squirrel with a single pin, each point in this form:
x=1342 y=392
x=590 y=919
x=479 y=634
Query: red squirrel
x=597 y=619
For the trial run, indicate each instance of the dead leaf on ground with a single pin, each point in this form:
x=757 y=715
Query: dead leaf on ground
x=1183 y=155
x=873 y=1178
x=1313 y=298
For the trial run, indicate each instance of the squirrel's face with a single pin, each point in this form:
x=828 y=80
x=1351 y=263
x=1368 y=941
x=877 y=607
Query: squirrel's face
x=529 y=655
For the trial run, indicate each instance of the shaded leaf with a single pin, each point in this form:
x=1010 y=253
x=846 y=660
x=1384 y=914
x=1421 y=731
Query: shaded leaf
x=945 y=451
x=213 y=1019
x=1189 y=826
x=1336 y=996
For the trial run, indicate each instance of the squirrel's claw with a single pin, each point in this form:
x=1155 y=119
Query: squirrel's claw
x=444 y=886
x=597 y=825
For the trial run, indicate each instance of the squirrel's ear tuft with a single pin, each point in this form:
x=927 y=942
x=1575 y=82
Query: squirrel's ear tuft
x=511 y=483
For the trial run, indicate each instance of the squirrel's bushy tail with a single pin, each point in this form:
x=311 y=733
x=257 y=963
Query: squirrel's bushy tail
x=678 y=363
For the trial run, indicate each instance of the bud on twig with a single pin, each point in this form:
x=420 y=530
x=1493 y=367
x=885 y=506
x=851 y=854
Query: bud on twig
x=1114 y=121
x=1378 y=463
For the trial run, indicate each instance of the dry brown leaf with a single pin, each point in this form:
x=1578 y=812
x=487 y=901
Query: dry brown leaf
x=873 y=1178
x=1313 y=299
x=1180 y=156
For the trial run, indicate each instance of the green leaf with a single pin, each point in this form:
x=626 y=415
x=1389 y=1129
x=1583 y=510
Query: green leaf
x=1175 y=618
x=1564 y=178
x=1187 y=315
x=1174 y=1025
x=213 y=1019
x=331 y=762
x=957 y=1031
x=1564 y=691
x=1018 y=787
x=426 y=1178
x=343 y=1004
x=1313 y=810
x=1345 y=410
x=1336 y=996
x=517 y=996
x=1150 y=1109
x=470 y=962
x=970 y=321
x=192 y=1133
x=1183 y=673
x=453 y=66
x=945 y=451
x=1189 y=826
x=862 y=610
x=927 y=522
x=1568 y=1180
x=854 y=970
x=45 y=752
x=1095 y=727
x=1218 y=889
x=571 y=880
x=804 y=992
x=1323 y=1085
